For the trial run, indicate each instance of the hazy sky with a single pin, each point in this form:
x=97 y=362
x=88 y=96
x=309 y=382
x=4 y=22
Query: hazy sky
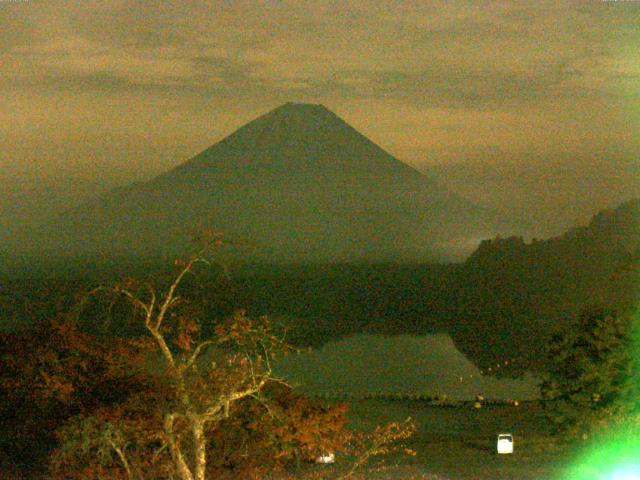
x=117 y=90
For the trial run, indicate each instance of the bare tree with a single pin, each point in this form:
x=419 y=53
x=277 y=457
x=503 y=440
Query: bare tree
x=205 y=377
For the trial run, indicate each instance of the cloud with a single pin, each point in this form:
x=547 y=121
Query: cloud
x=449 y=54
x=472 y=66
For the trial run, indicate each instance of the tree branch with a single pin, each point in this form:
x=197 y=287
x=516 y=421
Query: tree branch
x=122 y=457
x=196 y=353
x=169 y=297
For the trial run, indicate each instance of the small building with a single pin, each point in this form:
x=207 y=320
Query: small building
x=505 y=443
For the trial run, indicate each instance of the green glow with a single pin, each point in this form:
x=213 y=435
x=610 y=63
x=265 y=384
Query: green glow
x=616 y=459
x=614 y=454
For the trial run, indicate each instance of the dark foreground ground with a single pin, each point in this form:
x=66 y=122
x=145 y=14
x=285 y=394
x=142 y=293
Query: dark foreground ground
x=460 y=443
x=451 y=443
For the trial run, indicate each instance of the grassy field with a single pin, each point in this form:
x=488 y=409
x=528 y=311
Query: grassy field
x=460 y=443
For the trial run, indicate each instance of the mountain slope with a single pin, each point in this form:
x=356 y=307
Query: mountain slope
x=509 y=296
x=298 y=183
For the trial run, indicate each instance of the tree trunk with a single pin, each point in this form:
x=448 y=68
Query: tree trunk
x=200 y=449
x=182 y=469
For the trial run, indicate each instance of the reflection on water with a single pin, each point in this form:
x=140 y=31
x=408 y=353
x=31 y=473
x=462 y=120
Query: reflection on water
x=367 y=364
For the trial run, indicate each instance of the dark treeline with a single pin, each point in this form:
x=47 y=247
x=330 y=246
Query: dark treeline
x=504 y=302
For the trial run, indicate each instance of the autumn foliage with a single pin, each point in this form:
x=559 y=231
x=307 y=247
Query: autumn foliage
x=167 y=403
x=162 y=398
x=52 y=373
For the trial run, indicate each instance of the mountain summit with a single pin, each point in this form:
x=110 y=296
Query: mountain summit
x=297 y=139
x=296 y=184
